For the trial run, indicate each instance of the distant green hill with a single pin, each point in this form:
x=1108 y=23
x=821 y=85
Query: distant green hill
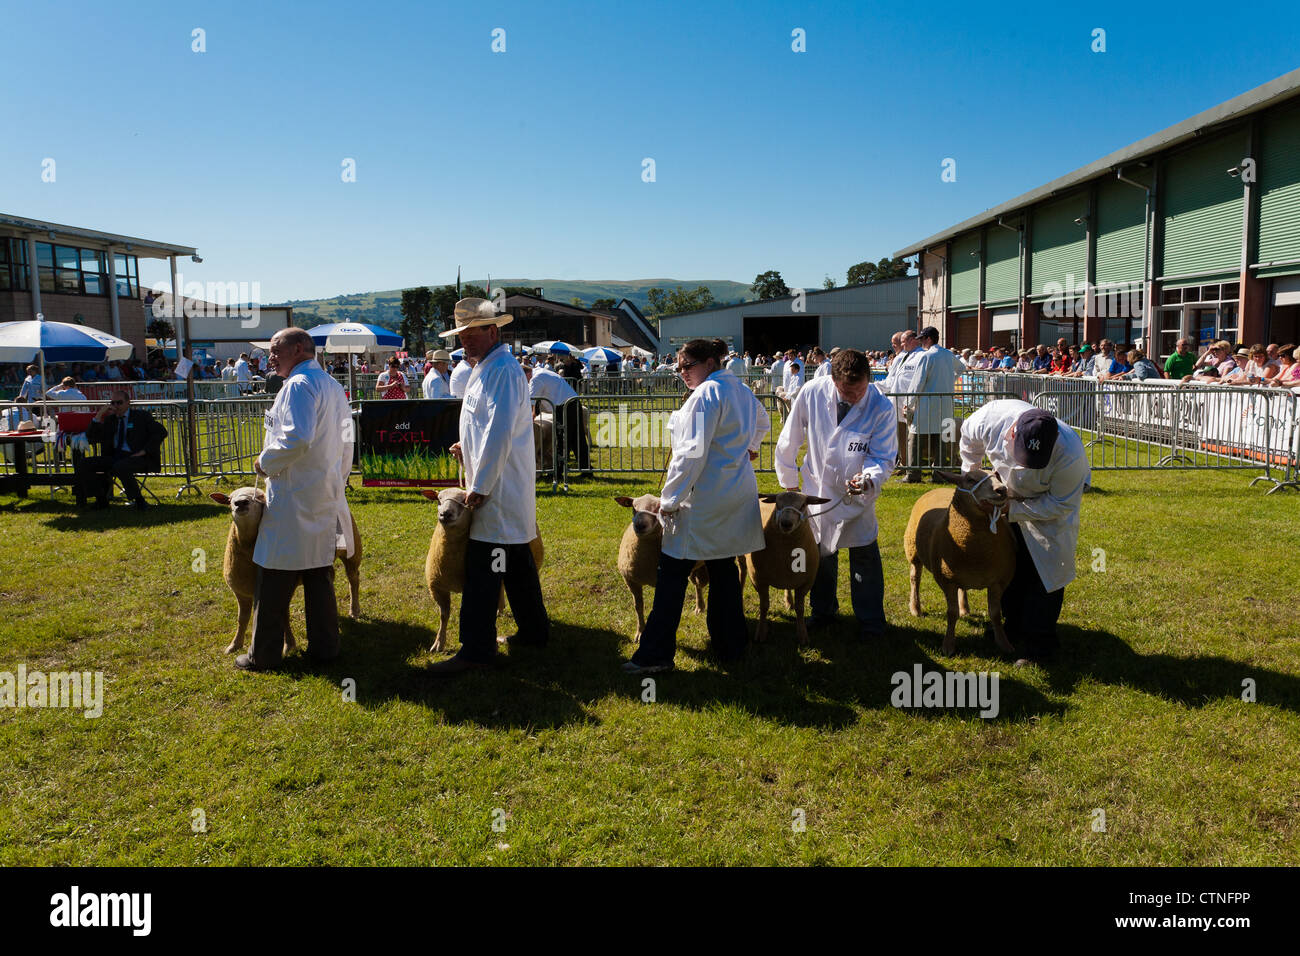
x=385 y=308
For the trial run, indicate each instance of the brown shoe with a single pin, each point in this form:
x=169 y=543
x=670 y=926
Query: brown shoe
x=454 y=666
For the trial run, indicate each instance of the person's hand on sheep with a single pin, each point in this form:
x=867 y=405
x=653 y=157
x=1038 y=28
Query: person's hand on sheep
x=456 y=453
x=474 y=500
x=257 y=467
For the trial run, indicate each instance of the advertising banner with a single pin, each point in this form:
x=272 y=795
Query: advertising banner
x=405 y=443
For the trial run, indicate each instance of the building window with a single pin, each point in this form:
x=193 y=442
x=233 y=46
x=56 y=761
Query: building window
x=128 y=277
x=6 y=275
x=72 y=271
x=1201 y=313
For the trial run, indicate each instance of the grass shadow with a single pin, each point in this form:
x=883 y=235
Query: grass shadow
x=1190 y=681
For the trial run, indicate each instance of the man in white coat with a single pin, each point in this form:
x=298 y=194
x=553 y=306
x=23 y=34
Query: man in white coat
x=436 y=382
x=932 y=371
x=905 y=343
x=306 y=458
x=243 y=374
x=852 y=446
x=792 y=376
x=1043 y=463
x=570 y=431
x=496 y=448
x=460 y=376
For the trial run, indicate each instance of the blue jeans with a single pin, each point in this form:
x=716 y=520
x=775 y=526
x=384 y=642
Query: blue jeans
x=866 y=587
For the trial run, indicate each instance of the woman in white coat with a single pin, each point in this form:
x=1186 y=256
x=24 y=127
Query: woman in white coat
x=852 y=446
x=708 y=506
x=1045 y=468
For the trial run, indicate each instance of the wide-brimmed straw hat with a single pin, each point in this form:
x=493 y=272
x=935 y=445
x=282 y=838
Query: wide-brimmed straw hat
x=475 y=312
x=440 y=355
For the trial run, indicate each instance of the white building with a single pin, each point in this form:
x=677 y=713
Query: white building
x=857 y=317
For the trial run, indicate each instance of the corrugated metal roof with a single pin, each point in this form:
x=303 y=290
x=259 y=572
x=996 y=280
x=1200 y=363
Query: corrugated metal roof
x=1275 y=91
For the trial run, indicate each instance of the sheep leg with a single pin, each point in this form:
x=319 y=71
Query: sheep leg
x=353 y=570
x=245 y=614
x=963 y=606
x=443 y=600
x=638 y=601
x=699 y=579
x=288 y=637
x=914 y=599
x=995 y=615
x=950 y=639
x=760 y=633
x=800 y=624
x=789 y=600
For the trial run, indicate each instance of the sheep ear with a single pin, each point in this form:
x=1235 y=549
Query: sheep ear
x=624 y=500
x=812 y=500
x=429 y=493
x=220 y=498
x=949 y=478
x=767 y=499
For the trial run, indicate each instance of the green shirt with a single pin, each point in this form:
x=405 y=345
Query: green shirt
x=1179 y=365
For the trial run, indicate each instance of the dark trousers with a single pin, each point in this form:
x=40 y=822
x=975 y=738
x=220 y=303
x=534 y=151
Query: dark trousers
x=95 y=474
x=866 y=587
x=572 y=436
x=1029 y=613
x=728 y=632
x=487 y=567
x=271 y=598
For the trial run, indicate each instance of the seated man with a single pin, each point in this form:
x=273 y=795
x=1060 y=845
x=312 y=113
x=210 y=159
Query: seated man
x=130 y=441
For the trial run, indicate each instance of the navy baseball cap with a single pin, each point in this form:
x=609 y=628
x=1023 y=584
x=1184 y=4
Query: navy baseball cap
x=1036 y=432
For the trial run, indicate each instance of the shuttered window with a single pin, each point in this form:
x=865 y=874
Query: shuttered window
x=1121 y=233
x=1279 y=193
x=964 y=269
x=1203 y=209
x=1060 y=246
x=1002 y=265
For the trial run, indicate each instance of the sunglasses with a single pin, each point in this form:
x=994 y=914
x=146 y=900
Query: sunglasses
x=687 y=367
x=117 y=401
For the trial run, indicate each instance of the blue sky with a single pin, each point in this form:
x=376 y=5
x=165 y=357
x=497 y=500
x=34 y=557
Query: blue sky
x=529 y=162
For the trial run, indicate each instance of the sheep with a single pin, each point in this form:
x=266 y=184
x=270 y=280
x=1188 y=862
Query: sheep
x=950 y=536
x=638 y=556
x=444 y=566
x=240 y=574
x=789 y=559
x=544 y=437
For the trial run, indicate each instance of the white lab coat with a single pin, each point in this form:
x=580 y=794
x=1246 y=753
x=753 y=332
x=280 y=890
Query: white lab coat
x=898 y=379
x=1049 y=517
x=824 y=369
x=550 y=386
x=777 y=372
x=460 y=378
x=762 y=421
x=435 y=385
x=709 y=478
x=736 y=365
x=243 y=374
x=865 y=443
x=792 y=378
x=496 y=440
x=935 y=374
x=307 y=454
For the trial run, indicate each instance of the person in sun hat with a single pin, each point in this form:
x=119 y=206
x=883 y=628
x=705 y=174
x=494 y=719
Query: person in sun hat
x=1042 y=462
x=496 y=449
x=437 y=381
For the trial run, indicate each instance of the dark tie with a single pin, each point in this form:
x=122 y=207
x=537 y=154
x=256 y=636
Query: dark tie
x=121 y=433
x=843 y=410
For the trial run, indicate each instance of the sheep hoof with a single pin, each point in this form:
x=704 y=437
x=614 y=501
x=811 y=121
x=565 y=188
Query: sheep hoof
x=915 y=609
x=949 y=647
x=437 y=645
x=286 y=649
x=234 y=646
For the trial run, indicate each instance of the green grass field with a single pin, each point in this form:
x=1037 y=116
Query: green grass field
x=1143 y=717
